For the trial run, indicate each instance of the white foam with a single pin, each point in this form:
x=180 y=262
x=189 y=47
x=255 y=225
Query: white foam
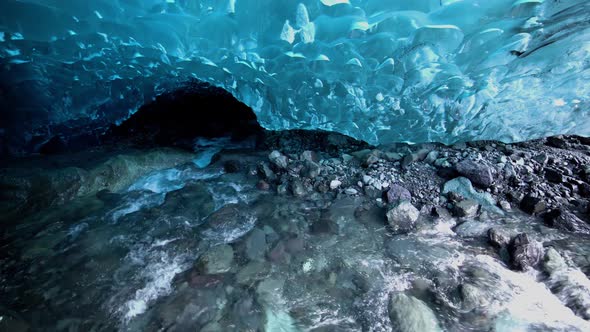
x=529 y=302
x=158 y=276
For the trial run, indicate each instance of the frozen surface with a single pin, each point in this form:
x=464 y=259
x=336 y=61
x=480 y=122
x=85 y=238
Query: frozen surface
x=378 y=70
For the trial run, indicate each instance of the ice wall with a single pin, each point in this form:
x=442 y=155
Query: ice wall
x=378 y=70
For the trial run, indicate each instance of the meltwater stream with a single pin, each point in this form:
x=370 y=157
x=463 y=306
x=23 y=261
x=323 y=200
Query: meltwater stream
x=196 y=248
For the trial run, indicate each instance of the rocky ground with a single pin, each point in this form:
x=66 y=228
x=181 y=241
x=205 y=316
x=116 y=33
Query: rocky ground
x=303 y=214
x=548 y=178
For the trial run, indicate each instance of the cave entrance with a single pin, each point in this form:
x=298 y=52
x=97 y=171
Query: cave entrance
x=196 y=110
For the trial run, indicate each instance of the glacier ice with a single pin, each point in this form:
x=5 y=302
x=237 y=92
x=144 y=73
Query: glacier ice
x=378 y=70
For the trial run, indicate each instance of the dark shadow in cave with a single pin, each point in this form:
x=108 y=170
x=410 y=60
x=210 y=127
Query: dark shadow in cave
x=176 y=118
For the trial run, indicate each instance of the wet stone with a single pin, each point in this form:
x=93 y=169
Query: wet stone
x=278 y=159
x=478 y=173
x=398 y=193
x=218 y=259
x=409 y=314
x=466 y=208
x=497 y=238
x=524 y=252
x=532 y=204
x=403 y=217
x=566 y=221
x=252 y=272
x=256 y=245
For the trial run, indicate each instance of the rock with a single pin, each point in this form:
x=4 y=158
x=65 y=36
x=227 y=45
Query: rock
x=402 y=217
x=310 y=170
x=466 y=208
x=309 y=156
x=553 y=175
x=372 y=158
x=553 y=261
x=532 y=204
x=252 y=272
x=541 y=158
x=505 y=206
x=335 y=184
x=256 y=245
x=266 y=173
x=350 y=191
x=216 y=260
x=431 y=157
x=297 y=188
x=232 y=166
x=464 y=188
x=270 y=291
x=566 y=221
x=398 y=193
x=442 y=213
x=557 y=142
x=524 y=252
x=409 y=314
x=278 y=159
x=478 y=173
x=497 y=239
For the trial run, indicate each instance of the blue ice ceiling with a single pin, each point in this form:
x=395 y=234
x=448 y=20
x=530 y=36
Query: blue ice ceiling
x=378 y=70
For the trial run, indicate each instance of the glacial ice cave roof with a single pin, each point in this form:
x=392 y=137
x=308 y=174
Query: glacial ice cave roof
x=378 y=70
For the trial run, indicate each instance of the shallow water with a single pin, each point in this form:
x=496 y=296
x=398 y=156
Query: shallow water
x=133 y=261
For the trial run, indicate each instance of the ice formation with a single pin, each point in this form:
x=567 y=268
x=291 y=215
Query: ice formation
x=378 y=70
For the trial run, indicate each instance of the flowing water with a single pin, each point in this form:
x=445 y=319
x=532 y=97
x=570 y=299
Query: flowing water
x=195 y=248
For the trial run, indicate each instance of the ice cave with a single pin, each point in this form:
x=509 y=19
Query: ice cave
x=281 y=165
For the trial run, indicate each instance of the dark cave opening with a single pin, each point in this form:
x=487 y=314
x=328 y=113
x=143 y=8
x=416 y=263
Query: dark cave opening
x=177 y=118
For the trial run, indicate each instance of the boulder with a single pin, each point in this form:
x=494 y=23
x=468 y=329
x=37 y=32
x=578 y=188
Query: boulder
x=398 y=193
x=278 y=159
x=478 y=173
x=409 y=314
x=466 y=208
x=402 y=217
x=566 y=221
x=216 y=260
x=524 y=252
x=532 y=204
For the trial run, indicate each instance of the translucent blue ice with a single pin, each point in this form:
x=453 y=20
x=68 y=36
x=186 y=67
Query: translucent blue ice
x=378 y=70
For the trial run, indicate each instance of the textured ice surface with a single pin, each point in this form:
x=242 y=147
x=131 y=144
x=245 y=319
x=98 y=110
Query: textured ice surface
x=378 y=70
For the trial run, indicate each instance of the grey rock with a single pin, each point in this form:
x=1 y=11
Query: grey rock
x=278 y=159
x=478 y=173
x=297 y=188
x=403 y=217
x=335 y=184
x=431 y=157
x=554 y=175
x=216 y=260
x=266 y=173
x=532 y=204
x=566 y=221
x=253 y=272
x=409 y=314
x=256 y=245
x=310 y=156
x=311 y=170
x=463 y=187
x=396 y=193
x=553 y=261
x=524 y=252
x=497 y=238
x=466 y=208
